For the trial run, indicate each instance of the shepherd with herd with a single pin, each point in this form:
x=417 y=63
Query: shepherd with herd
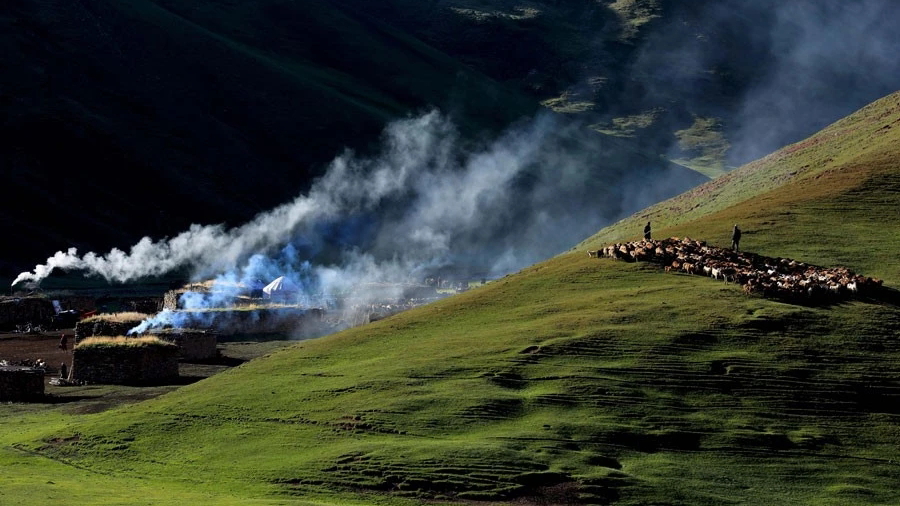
x=782 y=278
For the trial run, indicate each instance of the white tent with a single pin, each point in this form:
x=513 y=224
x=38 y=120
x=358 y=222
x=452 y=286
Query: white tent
x=279 y=288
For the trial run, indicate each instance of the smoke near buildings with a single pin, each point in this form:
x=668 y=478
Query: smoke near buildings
x=426 y=203
x=429 y=202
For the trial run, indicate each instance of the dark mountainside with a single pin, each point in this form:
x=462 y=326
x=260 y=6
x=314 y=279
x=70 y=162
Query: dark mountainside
x=129 y=118
x=133 y=118
x=688 y=79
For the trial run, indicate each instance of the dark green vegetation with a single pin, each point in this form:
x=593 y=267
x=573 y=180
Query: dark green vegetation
x=575 y=379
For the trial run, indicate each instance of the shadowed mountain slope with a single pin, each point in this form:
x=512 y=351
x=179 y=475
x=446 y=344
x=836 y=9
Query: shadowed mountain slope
x=124 y=119
x=712 y=83
x=576 y=380
x=134 y=118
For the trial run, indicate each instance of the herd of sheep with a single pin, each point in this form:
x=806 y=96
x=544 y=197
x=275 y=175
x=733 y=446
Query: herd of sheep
x=780 y=278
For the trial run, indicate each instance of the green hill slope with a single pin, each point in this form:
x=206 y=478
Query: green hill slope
x=828 y=199
x=575 y=380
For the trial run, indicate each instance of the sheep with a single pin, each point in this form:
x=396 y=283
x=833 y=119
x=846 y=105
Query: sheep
x=780 y=277
x=728 y=274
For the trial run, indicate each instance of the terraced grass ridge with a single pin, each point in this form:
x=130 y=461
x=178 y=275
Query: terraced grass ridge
x=577 y=380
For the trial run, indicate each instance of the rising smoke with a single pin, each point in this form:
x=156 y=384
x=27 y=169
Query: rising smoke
x=830 y=57
x=429 y=202
x=426 y=203
x=773 y=72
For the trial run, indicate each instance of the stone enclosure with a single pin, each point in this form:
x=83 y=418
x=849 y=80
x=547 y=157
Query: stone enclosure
x=151 y=364
x=108 y=325
x=193 y=345
x=21 y=384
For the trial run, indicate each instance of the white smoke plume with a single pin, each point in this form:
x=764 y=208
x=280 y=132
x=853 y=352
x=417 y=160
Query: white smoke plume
x=774 y=72
x=350 y=185
x=426 y=202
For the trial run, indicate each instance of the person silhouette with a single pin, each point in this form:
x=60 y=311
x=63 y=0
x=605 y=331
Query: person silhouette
x=736 y=238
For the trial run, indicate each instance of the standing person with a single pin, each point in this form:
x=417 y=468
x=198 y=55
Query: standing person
x=736 y=238
x=647 y=231
x=64 y=342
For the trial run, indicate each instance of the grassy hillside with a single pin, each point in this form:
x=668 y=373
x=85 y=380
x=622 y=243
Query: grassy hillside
x=828 y=199
x=575 y=380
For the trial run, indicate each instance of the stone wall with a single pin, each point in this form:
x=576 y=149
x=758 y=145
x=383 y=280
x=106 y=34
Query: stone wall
x=100 y=327
x=21 y=384
x=19 y=311
x=126 y=304
x=250 y=321
x=170 y=300
x=192 y=344
x=126 y=365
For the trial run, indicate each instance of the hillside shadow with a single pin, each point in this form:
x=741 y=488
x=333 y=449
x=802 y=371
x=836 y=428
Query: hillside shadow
x=66 y=399
x=884 y=296
x=218 y=360
x=258 y=337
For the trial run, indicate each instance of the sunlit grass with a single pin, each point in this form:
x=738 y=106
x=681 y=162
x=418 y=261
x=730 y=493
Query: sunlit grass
x=629 y=384
x=125 y=317
x=122 y=342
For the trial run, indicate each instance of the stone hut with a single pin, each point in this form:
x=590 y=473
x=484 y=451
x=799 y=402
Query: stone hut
x=21 y=310
x=113 y=324
x=21 y=384
x=192 y=344
x=125 y=361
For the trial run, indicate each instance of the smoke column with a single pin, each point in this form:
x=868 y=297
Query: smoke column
x=773 y=72
x=426 y=201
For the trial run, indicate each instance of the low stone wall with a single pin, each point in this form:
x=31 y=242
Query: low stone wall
x=192 y=344
x=170 y=300
x=100 y=327
x=126 y=365
x=19 y=311
x=116 y=304
x=249 y=321
x=21 y=384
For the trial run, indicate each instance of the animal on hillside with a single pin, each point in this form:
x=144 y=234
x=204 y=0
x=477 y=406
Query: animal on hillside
x=772 y=277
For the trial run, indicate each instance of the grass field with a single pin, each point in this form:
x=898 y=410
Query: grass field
x=575 y=380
